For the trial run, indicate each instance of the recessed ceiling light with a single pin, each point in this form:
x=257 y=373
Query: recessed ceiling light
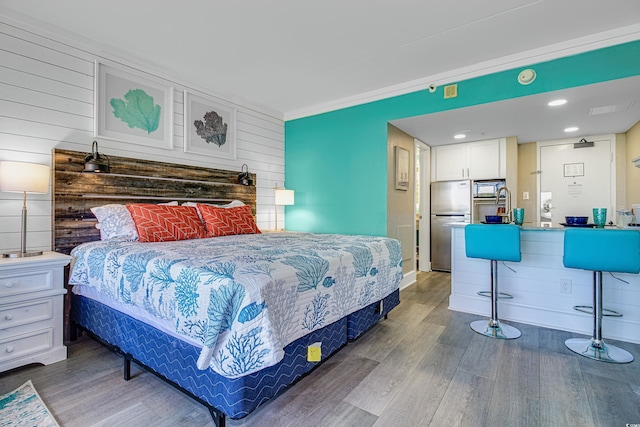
x=571 y=129
x=460 y=136
x=557 y=102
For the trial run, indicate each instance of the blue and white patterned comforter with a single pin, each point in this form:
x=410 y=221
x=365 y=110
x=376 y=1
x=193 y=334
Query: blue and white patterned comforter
x=244 y=297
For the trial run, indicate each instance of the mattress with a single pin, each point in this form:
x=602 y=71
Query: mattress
x=243 y=299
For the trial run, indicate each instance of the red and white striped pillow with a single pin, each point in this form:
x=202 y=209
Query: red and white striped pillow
x=228 y=221
x=161 y=223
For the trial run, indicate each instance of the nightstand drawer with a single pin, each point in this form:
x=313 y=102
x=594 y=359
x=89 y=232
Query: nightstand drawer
x=25 y=313
x=26 y=344
x=21 y=282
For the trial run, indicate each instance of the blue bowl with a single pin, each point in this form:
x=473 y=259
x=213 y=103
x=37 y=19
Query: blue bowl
x=576 y=220
x=493 y=219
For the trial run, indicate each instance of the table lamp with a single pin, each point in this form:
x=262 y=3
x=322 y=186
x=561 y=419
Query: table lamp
x=20 y=177
x=284 y=197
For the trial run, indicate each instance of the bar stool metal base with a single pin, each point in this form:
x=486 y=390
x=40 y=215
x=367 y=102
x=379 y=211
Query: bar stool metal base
x=501 y=295
x=589 y=310
x=598 y=350
x=496 y=329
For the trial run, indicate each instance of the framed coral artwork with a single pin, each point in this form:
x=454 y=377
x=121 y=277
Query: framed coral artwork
x=132 y=107
x=209 y=127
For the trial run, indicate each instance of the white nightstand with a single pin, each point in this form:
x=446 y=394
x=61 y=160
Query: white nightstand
x=31 y=310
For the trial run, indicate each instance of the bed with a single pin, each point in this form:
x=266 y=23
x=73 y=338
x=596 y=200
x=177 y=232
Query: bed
x=231 y=320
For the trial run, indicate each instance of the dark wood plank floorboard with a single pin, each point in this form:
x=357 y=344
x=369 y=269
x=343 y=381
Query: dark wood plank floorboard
x=423 y=366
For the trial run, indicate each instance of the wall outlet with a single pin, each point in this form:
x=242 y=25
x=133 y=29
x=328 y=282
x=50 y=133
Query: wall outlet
x=565 y=286
x=525 y=195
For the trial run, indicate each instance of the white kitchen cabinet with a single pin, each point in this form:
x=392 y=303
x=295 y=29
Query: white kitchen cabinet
x=31 y=310
x=450 y=162
x=471 y=160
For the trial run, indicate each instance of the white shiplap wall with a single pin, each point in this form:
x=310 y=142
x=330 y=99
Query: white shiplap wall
x=46 y=102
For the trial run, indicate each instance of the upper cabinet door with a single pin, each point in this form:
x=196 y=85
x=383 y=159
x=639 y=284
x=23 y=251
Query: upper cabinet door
x=471 y=160
x=484 y=159
x=450 y=162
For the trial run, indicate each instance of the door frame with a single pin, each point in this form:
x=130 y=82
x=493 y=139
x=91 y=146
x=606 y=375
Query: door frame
x=425 y=206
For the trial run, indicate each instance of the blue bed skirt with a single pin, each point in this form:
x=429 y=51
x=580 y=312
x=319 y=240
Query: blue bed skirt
x=364 y=319
x=175 y=359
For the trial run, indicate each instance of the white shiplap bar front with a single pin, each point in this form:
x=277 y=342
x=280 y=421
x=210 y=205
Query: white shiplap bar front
x=538 y=297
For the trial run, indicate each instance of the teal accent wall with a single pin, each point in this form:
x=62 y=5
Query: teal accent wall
x=337 y=161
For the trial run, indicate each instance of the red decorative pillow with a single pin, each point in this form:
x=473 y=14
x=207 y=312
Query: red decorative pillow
x=228 y=221
x=162 y=223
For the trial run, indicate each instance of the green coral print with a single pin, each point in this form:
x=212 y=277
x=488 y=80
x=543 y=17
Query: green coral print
x=137 y=110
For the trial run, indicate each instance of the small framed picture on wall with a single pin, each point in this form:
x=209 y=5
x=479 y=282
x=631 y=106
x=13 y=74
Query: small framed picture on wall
x=132 y=107
x=402 y=168
x=209 y=127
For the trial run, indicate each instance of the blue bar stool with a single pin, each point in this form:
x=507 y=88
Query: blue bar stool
x=598 y=250
x=495 y=242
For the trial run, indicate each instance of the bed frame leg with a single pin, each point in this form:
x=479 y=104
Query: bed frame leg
x=73 y=331
x=127 y=367
x=219 y=419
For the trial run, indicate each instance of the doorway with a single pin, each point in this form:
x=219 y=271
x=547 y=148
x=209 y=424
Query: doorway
x=574 y=178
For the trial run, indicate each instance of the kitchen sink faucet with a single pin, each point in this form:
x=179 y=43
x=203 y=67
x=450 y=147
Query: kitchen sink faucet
x=508 y=212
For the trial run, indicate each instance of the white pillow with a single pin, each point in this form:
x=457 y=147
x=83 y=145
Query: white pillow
x=115 y=222
x=232 y=204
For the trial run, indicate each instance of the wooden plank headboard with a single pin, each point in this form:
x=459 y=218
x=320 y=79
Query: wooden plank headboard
x=130 y=181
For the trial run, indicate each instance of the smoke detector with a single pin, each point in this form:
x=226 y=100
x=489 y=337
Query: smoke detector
x=526 y=76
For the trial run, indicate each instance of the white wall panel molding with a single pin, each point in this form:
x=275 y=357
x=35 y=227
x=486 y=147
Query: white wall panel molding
x=46 y=102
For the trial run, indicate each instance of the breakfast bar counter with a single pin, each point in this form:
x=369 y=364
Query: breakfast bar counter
x=544 y=291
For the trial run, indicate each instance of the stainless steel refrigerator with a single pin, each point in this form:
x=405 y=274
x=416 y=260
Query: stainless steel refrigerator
x=450 y=202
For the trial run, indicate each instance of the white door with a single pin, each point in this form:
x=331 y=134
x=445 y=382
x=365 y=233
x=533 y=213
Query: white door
x=573 y=181
x=423 y=202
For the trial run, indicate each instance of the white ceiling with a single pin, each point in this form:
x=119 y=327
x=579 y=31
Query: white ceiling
x=298 y=57
x=598 y=109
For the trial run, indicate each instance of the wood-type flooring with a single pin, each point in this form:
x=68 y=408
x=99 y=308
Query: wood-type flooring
x=423 y=366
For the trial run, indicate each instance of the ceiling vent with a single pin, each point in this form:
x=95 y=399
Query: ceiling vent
x=608 y=109
x=450 y=91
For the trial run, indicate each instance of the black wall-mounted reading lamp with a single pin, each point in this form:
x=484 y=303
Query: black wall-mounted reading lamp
x=96 y=162
x=244 y=177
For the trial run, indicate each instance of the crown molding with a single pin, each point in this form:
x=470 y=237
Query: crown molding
x=525 y=58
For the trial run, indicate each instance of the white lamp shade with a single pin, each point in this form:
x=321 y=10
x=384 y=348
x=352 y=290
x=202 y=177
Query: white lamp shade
x=284 y=197
x=24 y=177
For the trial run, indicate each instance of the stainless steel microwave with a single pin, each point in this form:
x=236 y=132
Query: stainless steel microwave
x=487 y=189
